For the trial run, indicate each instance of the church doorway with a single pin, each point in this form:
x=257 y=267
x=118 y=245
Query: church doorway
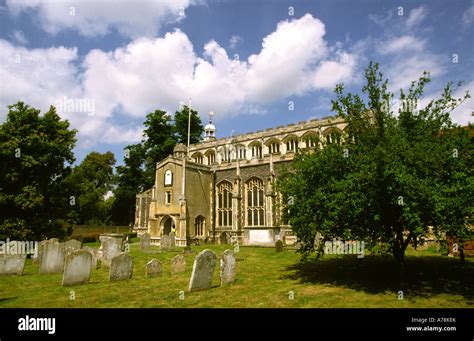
x=168 y=225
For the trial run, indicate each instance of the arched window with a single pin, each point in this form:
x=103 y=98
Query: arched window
x=224 y=204
x=211 y=157
x=292 y=145
x=198 y=158
x=241 y=152
x=310 y=139
x=334 y=136
x=255 y=203
x=256 y=150
x=168 y=178
x=273 y=146
x=199 y=224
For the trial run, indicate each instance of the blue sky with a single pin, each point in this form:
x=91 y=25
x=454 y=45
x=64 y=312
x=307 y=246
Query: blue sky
x=105 y=64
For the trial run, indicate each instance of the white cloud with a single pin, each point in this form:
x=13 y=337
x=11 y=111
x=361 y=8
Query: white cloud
x=415 y=17
x=19 y=37
x=92 y=18
x=403 y=43
x=234 y=40
x=468 y=15
x=159 y=73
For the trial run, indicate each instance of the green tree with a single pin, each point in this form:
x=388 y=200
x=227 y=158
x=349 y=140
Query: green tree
x=130 y=180
x=181 y=118
x=35 y=157
x=391 y=178
x=89 y=182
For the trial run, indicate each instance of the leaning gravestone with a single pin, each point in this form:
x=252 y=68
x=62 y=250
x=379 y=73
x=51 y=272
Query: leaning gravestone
x=77 y=268
x=95 y=255
x=111 y=246
x=145 y=242
x=12 y=264
x=279 y=246
x=153 y=268
x=165 y=243
x=178 y=264
x=172 y=239
x=227 y=272
x=70 y=246
x=121 y=267
x=52 y=258
x=203 y=270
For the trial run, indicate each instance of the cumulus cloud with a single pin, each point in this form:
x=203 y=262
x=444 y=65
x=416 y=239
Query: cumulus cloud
x=162 y=72
x=92 y=18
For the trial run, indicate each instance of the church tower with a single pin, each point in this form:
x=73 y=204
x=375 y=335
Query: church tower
x=210 y=129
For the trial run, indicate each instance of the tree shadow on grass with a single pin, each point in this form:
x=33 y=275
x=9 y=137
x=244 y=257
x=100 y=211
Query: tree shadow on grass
x=424 y=276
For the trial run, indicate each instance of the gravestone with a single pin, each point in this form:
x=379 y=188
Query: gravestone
x=172 y=239
x=203 y=271
x=36 y=258
x=154 y=268
x=178 y=264
x=111 y=246
x=165 y=243
x=145 y=242
x=95 y=255
x=227 y=272
x=77 y=268
x=70 y=246
x=121 y=267
x=279 y=246
x=52 y=258
x=12 y=264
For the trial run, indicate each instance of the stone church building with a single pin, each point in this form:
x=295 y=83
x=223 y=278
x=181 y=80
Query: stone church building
x=223 y=190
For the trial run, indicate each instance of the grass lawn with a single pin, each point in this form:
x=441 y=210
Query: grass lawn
x=264 y=279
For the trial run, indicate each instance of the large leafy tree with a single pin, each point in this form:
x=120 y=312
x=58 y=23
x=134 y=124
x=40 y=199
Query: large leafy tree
x=35 y=157
x=88 y=184
x=394 y=175
x=130 y=180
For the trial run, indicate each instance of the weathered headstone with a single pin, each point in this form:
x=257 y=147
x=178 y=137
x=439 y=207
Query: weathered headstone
x=145 y=242
x=52 y=258
x=154 y=268
x=95 y=255
x=227 y=272
x=203 y=271
x=279 y=246
x=121 y=267
x=12 y=264
x=165 y=243
x=111 y=246
x=172 y=239
x=178 y=264
x=77 y=268
x=70 y=246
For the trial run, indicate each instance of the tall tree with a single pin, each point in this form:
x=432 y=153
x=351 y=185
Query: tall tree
x=130 y=180
x=89 y=182
x=181 y=118
x=35 y=157
x=392 y=177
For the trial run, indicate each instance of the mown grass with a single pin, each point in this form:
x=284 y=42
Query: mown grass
x=264 y=279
